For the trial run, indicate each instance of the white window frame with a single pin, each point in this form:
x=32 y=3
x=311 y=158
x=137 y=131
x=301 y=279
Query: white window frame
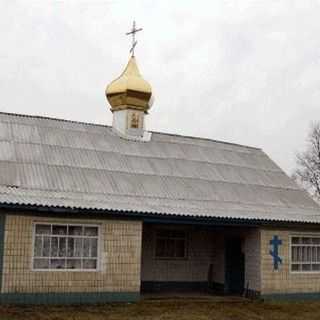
x=65 y=224
x=291 y=262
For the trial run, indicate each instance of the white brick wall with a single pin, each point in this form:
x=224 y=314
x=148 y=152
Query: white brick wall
x=205 y=247
x=282 y=280
x=252 y=259
x=121 y=253
x=195 y=268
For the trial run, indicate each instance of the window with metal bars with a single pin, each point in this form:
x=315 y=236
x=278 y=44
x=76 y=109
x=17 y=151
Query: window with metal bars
x=305 y=254
x=65 y=247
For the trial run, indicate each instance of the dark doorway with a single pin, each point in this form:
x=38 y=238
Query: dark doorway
x=234 y=266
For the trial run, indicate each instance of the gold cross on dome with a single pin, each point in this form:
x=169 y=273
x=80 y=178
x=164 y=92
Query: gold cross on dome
x=133 y=33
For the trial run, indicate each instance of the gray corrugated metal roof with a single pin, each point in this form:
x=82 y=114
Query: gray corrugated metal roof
x=51 y=162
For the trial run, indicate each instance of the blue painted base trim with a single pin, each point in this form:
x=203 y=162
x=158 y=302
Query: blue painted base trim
x=68 y=298
x=299 y=296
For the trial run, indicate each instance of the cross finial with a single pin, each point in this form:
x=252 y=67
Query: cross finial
x=133 y=33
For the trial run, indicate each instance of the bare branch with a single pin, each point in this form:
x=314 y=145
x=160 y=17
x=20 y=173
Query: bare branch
x=307 y=173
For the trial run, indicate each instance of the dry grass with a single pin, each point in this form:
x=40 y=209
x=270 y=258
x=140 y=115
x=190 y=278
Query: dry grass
x=174 y=309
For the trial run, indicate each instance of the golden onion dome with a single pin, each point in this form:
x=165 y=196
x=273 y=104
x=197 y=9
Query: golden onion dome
x=129 y=90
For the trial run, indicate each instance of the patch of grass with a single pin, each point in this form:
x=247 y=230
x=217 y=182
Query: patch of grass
x=175 y=309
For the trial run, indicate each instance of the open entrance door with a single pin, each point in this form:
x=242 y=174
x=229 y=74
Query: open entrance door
x=234 y=266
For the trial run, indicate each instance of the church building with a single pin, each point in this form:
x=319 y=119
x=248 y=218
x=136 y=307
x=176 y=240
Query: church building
x=95 y=213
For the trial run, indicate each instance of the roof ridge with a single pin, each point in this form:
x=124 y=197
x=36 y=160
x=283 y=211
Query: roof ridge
x=108 y=126
x=207 y=139
x=23 y=115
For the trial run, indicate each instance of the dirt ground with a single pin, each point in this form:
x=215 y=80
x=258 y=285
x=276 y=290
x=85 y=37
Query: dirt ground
x=175 y=309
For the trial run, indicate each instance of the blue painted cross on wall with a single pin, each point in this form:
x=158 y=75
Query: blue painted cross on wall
x=275 y=242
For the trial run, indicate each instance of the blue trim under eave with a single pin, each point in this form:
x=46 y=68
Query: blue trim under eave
x=68 y=298
x=297 y=296
x=2 y=230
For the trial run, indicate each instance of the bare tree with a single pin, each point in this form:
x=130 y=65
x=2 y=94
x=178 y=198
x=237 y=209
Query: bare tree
x=307 y=173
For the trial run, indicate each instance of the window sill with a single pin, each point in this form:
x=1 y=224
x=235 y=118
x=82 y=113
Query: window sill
x=65 y=270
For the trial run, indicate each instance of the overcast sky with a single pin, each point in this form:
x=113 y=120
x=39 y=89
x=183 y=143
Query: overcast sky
x=240 y=71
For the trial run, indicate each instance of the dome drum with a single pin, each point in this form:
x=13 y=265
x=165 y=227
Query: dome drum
x=130 y=99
